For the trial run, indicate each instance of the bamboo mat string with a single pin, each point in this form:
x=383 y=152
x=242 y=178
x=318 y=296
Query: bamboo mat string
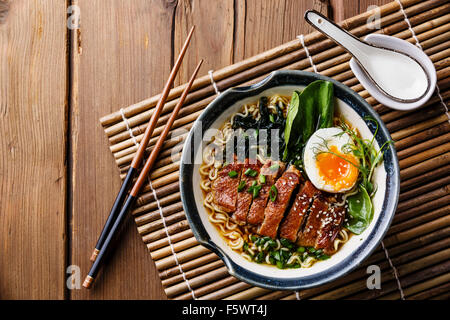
x=408 y=23
x=397 y=278
x=125 y=120
x=301 y=38
x=297 y=295
x=216 y=89
x=160 y=212
x=413 y=34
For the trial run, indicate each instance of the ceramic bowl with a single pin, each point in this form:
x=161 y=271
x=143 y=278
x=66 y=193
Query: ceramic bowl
x=352 y=253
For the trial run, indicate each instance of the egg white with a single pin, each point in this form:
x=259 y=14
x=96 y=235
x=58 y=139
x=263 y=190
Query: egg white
x=315 y=144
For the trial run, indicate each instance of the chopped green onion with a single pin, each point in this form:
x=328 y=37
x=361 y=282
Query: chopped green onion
x=311 y=250
x=276 y=255
x=285 y=254
x=260 y=257
x=251 y=172
x=286 y=243
x=241 y=185
x=232 y=174
x=272 y=243
x=301 y=249
x=273 y=193
x=274 y=167
x=253 y=238
x=272 y=119
x=262 y=179
x=259 y=241
x=256 y=190
x=323 y=257
x=280 y=265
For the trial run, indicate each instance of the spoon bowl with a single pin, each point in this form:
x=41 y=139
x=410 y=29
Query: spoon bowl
x=392 y=71
x=410 y=49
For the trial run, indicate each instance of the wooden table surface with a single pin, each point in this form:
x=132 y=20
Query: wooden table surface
x=57 y=177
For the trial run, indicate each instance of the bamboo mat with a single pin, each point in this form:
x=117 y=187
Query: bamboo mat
x=414 y=257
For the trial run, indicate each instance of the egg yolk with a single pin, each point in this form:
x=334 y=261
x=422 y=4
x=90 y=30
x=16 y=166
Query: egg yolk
x=337 y=171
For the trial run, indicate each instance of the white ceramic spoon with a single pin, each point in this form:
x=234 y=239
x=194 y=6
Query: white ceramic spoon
x=396 y=74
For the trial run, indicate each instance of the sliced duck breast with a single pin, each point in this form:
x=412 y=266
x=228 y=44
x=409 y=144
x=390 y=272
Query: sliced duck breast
x=249 y=176
x=296 y=215
x=225 y=186
x=332 y=222
x=276 y=206
x=269 y=173
x=308 y=235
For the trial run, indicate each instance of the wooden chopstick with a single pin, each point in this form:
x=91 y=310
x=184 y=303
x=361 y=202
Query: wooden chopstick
x=140 y=152
x=139 y=183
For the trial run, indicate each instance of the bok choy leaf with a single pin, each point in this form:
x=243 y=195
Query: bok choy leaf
x=308 y=111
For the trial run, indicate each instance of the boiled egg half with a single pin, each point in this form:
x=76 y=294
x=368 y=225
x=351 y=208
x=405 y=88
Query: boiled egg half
x=328 y=163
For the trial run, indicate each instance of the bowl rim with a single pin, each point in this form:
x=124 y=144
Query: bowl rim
x=349 y=263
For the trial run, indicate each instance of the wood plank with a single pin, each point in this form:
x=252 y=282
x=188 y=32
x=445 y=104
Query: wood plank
x=262 y=25
x=33 y=101
x=213 y=37
x=121 y=55
x=344 y=9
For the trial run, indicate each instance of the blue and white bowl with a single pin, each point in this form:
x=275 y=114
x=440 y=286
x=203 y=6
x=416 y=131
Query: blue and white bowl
x=351 y=254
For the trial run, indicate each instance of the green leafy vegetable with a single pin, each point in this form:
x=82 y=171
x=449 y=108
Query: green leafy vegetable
x=308 y=111
x=326 y=104
x=294 y=120
x=360 y=211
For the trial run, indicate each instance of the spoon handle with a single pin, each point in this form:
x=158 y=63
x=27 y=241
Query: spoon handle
x=348 y=41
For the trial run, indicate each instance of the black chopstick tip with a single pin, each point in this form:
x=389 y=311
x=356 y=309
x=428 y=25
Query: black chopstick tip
x=88 y=282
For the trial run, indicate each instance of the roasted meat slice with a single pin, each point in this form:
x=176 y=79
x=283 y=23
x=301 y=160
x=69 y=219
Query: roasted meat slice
x=307 y=237
x=275 y=210
x=331 y=225
x=271 y=171
x=296 y=215
x=249 y=175
x=225 y=186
